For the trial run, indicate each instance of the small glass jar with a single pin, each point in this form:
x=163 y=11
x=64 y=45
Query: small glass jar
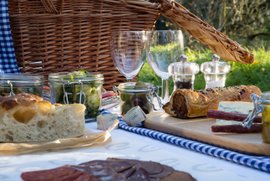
x=183 y=73
x=11 y=84
x=215 y=72
x=78 y=87
x=134 y=94
x=266 y=117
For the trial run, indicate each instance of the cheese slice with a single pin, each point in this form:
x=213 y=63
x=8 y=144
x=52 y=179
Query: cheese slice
x=236 y=106
x=233 y=106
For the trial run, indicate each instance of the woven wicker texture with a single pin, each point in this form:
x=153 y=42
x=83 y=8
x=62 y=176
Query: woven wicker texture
x=204 y=33
x=65 y=35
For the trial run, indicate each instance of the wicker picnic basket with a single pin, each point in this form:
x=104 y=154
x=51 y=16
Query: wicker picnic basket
x=64 y=35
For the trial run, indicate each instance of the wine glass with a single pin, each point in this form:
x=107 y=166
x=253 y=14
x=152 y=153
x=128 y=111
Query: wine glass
x=128 y=50
x=164 y=48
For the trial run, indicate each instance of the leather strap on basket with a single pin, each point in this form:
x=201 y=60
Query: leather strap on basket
x=205 y=33
x=50 y=6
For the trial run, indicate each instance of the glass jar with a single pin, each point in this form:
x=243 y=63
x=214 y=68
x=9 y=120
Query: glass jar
x=11 y=84
x=78 y=87
x=183 y=73
x=134 y=94
x=215 y=72
x=266 y=117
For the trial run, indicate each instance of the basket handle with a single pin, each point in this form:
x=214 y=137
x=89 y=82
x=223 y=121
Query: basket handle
x=50 y=6
x=218 y=42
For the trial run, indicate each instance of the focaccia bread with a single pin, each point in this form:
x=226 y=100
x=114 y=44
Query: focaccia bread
x=28 y=118
x=187 y=103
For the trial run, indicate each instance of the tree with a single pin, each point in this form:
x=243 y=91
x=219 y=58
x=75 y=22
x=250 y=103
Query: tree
x=246 y=21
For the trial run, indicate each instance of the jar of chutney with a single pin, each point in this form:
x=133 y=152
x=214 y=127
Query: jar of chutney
x=266 y=117
x=134 y=94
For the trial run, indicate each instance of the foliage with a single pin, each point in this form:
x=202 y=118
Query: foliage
x=257 y=73
x=148 y=75
x=167 y=53
x=246 y=21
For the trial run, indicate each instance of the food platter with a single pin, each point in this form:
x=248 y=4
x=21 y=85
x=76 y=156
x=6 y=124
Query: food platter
x=200 y=129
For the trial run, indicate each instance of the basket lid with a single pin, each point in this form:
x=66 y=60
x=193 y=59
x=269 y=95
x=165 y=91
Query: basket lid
x=206 y=34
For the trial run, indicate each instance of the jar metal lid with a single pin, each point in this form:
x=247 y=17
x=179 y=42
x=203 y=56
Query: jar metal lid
x=136 y=87
x=22 y=78
x=76 y=76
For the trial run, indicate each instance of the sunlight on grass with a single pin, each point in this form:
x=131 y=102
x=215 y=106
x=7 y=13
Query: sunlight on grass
x=257 y=73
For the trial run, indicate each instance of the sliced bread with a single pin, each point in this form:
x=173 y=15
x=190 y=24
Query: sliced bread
x=29 y=118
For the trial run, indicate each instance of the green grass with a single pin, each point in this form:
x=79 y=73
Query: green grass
x=257 y=73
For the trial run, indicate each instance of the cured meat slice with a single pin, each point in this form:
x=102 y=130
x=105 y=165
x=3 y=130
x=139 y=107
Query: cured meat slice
x=111 y=169
x=64 y=173
x=230 y=116
x=255 y=128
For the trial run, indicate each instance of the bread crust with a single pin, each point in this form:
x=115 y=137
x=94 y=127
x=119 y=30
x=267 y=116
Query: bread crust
x=24 y=99
x=28 y=118
x=186 y=103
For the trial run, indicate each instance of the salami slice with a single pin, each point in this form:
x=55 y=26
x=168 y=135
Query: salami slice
x=111 y=169
x=57 y=174
x=230 y=116
x=255 y=128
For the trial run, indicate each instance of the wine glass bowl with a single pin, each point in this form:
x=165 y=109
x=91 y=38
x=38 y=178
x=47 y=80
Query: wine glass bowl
x=164 y=48
x=128 y=49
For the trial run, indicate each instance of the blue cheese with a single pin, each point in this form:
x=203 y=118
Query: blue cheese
x=222 y=122
x=232 y=106
x=240 y=107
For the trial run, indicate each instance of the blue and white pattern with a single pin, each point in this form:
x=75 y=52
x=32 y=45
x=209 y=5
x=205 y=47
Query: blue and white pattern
x=8 y=63
x=258 y=162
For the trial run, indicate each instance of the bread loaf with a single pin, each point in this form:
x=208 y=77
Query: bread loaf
x=186 y=103
x=29 y=118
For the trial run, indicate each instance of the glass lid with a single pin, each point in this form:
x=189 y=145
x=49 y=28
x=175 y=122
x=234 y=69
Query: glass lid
x=215 y=66
x=183 y=67
x=76 y=76
x=136 y=87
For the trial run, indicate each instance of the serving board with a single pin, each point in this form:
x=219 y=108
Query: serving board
x=200 y=129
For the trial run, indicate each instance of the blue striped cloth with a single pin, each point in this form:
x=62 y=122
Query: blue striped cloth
x=257 y=162
x=8 y=63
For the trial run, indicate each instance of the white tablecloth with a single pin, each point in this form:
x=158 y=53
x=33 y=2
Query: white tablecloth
x=128 y=145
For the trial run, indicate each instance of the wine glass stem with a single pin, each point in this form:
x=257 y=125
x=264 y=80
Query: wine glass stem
x=165 y=91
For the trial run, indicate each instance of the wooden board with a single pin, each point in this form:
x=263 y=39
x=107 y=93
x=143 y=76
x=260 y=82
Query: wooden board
x=200 y=129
